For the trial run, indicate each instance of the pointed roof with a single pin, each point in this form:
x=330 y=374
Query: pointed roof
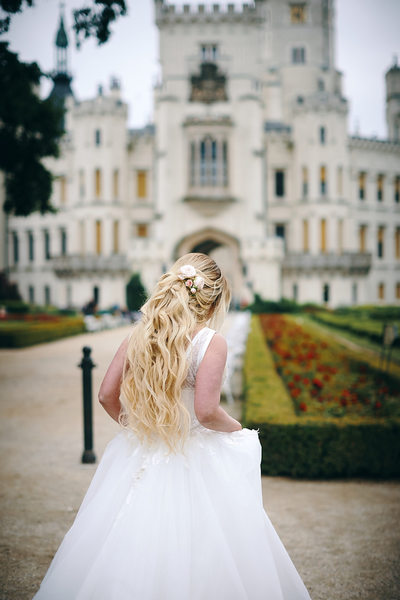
x=61 y=37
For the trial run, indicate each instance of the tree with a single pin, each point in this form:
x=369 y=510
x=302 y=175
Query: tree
x=135 y=293
x=89 y=22
x=30 y=128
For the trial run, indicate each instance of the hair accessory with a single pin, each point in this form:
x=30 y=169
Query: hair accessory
x=187 y=273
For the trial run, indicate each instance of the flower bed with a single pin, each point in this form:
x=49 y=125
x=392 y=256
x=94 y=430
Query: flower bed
x=330 y=438
x=324 y=379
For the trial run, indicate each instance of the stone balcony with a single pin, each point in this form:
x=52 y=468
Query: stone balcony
x=209 y=201
x=347 y=263
x=75 y=265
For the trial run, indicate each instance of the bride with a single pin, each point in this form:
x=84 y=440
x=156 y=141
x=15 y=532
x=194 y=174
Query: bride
x=174 y=510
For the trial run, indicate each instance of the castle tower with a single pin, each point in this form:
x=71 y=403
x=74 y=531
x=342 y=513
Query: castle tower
x=392 y=78
x=210 y=167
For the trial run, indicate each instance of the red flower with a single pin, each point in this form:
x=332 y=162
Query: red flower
x=326 y=377
x=295 y=393
x=378 y=404
x=343 y=401
x=306 y=381
x=303 y=406
x=318 y=383
x=297 y=377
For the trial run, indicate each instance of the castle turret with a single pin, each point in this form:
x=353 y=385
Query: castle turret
x=393 y=101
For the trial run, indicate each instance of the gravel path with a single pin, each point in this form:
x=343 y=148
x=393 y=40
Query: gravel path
x=343 y=536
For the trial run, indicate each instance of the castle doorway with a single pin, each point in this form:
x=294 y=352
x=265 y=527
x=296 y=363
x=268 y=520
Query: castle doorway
x=225 y=250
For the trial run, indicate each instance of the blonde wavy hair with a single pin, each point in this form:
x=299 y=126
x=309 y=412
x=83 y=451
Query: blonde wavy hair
x=157 y=357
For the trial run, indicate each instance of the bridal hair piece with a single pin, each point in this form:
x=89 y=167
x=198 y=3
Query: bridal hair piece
x=157 y=358
x=188 y=275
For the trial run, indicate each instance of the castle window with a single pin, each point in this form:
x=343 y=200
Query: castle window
x=323 y=235
x=381 y=291
x=31 y=247
x=362 y=235
x=47 y=244
x=209 y=52
x=322 y=135
x=47 y=299
x=81 y=183
x=63 y=237
x=142 y=230
x=379 y=187
x=340 y=235
x=31 y=294
x=115 y=184
x=381 y=242
x=208 y=163
x=116 y=237
x=297 y=13
x=192 y=163
x=354 y=293
x=361 y=185
x=398 y=290
x=97 y=183
x=15 y=246
x=82 y=237
x=298 y=55
x=97 y=137
x=306 y=245
x=98 y=237
x=325 y=293
x=279 y=183
x=141 y=184
x=305 y=182
x=280 y=231
x=397 y=243
x=224 y=163
x=322 y=180
x=397 y=189
x=339 y=181
x=63 y=189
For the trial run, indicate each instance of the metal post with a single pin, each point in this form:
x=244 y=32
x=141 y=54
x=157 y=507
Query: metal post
x=87 y=365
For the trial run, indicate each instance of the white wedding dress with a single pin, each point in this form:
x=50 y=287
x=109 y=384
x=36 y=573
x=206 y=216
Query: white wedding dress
x=159 y=526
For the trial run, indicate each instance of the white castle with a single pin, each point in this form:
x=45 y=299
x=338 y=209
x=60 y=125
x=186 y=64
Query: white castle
x=249 y=159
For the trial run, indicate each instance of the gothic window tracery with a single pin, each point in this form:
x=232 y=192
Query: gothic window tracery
x=208 y=165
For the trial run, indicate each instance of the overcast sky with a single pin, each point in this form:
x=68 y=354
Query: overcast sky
x=367 y=39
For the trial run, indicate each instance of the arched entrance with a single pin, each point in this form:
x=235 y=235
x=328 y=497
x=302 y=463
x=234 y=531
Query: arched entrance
x=225 y=250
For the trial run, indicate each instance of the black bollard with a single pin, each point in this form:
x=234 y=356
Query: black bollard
x=87 y=365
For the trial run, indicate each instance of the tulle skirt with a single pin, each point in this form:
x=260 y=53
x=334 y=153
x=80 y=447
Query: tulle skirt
x=159 y=526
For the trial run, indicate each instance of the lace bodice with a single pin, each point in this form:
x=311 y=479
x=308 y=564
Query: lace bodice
x=196 y=352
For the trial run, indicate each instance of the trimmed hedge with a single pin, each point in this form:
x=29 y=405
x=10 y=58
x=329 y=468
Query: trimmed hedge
x=308 y=446
x=21 y=333
x=368 y=328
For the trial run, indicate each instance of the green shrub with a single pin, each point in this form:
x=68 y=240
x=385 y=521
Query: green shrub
x=21 y=334
x=270 y=306
x=311 y=446
x=15 y=306
x=135 y=293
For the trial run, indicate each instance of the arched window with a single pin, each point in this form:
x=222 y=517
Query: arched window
x=208 y=163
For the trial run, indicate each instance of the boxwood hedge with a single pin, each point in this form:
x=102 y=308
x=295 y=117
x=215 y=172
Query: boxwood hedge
x=308 y=446
x=17 y=334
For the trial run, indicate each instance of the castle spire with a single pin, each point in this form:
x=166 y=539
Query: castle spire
x=61 y=78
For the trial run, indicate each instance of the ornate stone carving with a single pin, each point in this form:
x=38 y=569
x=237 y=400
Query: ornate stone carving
x=209 y=86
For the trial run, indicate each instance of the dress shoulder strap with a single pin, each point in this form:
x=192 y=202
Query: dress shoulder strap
x=204 y=338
